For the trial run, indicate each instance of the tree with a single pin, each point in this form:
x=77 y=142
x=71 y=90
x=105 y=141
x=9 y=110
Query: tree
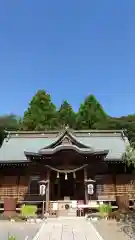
x=129 y=156
x=66 y=115
x=2 y=135
x=9 y=122
x=41 y=113
x=90 y=114
x=128 y=123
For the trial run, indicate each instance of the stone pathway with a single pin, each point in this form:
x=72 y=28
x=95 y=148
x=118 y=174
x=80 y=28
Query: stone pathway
x=65 y=229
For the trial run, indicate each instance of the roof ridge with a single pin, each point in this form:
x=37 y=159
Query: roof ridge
x=70 y=130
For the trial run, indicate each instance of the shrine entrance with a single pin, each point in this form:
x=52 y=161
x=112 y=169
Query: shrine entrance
x=67 y=186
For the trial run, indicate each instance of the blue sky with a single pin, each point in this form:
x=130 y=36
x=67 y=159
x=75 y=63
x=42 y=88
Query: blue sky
x=69 y=48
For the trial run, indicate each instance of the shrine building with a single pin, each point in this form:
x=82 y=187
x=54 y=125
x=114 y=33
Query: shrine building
x=75 y=167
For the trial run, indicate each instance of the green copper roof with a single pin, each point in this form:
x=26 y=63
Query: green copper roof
x=50 y=151
x=16 y=144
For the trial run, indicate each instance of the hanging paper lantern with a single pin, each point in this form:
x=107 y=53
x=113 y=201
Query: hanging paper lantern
x=58 y=175
x=42 y=189
x=90 y=189
x=65 y=176
x=74 y=175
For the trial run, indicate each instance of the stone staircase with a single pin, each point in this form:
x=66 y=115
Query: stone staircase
x=72 y=212
x=62 y=211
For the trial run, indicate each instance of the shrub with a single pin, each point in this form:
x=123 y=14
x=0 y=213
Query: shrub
x=11 y=238
x=28 y=211
x=105 y=210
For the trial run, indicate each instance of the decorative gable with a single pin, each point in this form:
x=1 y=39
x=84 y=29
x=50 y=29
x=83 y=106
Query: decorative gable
x=66 y=140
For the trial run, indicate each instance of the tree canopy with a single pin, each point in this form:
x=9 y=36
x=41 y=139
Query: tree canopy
x=90 y=113
x=8 y=123
x=42 y=114
x=66 y=115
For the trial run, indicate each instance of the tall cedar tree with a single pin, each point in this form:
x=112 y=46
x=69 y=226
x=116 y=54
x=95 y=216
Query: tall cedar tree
x=90 y=114
x=66 y=115
x=41 y=113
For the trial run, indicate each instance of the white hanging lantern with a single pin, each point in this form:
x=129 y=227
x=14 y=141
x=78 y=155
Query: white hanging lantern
x=58 y=175
x=90 y=189
x=42 y=189
x=66 y=176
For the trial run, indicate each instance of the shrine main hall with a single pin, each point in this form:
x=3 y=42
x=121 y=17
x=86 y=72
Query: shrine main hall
x=75 y=167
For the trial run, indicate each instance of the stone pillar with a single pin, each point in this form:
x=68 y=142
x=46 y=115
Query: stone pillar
x=85 y=185
x=10 y=207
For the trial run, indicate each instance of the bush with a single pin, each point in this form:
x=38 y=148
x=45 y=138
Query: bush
x=11 y=238
x=28 y=211
x=105 y=210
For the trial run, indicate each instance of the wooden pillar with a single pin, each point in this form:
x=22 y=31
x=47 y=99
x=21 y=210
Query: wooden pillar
x=18 y=186
x=85 y=185
x=58 y=189
x=48 y=190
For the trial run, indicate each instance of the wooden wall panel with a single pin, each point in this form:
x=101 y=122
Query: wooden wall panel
x=8 y=187
x=16 y=185
x=23 y=187
x=105 y=187
x=125 y=185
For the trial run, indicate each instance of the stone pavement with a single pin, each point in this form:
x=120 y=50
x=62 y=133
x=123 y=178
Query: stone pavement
x=20 y=230
x=68 y=229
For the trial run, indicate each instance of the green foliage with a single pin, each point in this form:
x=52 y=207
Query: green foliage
x=2 y=135
x=28 y=211
x=11 y=238
x=90 y=113
x=129 y=156
x=105 y=210
x=9 y=122
x=41 y=113
x=66 y=115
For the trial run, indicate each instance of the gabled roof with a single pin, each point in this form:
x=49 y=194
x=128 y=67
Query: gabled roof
x=17 y=143
x=66 y=134
x=50 y=151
